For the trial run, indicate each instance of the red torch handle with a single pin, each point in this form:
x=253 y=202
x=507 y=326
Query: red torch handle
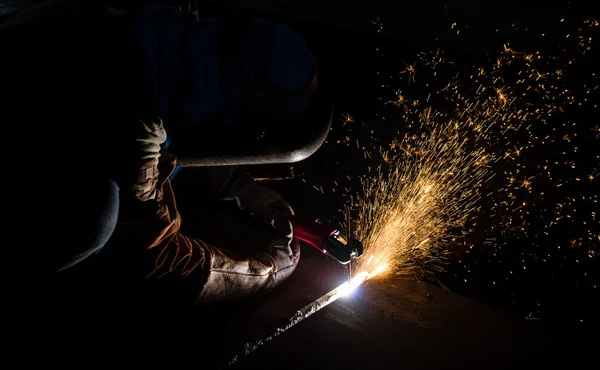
x=314 y=234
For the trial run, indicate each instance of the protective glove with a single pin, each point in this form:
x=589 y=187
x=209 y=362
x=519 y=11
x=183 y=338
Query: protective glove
x=232 y=276
x=213 y=273
x=144 y=158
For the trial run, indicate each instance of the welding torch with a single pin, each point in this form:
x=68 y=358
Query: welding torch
x=328 y=240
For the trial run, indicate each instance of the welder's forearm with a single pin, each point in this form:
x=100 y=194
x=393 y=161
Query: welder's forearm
x=155 y=253
x=198 y=272
x=178 y=264
x=203 y=274
x=232 y=276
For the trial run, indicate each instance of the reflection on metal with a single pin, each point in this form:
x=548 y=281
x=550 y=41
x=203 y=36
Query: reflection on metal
x=341 y=291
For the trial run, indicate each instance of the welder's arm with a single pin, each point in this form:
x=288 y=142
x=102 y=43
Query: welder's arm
x=178 y=263
x=205 y=273
x=210 y=184
x=232 y=276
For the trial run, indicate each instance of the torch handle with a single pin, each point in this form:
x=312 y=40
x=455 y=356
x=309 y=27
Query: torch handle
x=313 y=233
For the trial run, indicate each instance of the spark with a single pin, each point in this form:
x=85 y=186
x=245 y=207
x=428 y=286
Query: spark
x=501 y=96
x=488 y=150
x=409 y=211
x=410 y=71
x=377 y=22
x=347 y=118
x=426 y=197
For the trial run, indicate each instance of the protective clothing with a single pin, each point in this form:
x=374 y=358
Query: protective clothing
x=147 y=144
x=177 y=262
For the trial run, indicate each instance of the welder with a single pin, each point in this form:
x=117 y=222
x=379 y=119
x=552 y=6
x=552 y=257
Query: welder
x=171 y=72
x=215 y=73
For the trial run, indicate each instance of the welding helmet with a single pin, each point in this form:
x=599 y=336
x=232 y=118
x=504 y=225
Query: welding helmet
x=273 y=109
x=268 y=72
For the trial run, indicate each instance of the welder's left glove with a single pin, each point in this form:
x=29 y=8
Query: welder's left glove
x=140 y=163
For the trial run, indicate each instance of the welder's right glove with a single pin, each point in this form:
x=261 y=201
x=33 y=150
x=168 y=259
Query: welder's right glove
x=232 y=276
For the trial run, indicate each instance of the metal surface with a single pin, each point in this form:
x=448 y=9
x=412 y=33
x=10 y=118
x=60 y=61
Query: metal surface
x=408 y=324
x=300 y=315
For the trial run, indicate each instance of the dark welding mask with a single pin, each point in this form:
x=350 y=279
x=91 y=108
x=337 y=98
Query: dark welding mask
x=275 y=112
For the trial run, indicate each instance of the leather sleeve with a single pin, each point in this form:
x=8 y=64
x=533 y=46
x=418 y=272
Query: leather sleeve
x=202 y=273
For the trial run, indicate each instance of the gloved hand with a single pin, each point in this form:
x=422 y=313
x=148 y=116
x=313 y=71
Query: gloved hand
x=234 y=276
x=186 y=266
x=144 y=156
x=212 y=272
x=282 y=248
